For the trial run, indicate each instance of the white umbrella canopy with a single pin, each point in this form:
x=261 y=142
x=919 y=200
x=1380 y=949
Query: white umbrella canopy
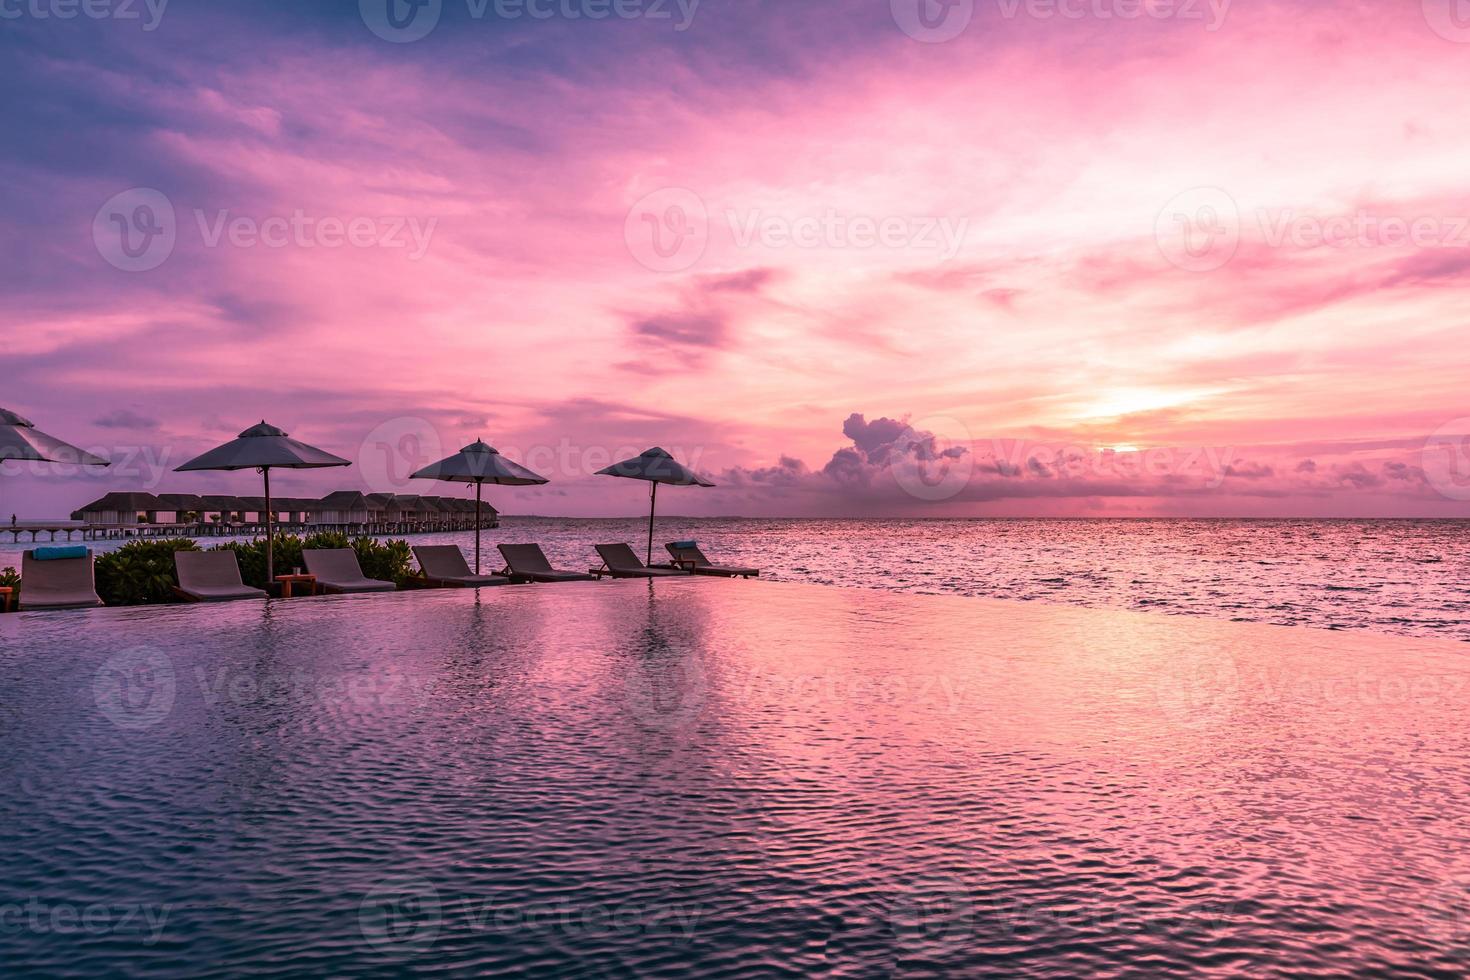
x=656 y=466
x=264 y=447
x=21 y=440
x=479 y=464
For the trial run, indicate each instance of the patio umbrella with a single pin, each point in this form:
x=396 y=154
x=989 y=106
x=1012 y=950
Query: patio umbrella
x=655 y=466
x=264 y=447
x=479 y=464
x=20 y=439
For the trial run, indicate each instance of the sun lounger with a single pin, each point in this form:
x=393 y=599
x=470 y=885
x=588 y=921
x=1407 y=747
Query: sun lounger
x=527 y=563
x=444 y=565
x=57 y=578
x=338 y=570
x=619 y=561
x=211 y=576
x=686 y=554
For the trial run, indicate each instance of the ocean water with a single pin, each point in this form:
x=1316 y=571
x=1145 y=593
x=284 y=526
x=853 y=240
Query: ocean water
x=1404 y=577
x=725 y=779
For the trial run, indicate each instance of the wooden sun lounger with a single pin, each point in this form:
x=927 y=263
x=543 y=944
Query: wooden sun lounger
x=527 y=563
x=57 y=583
x=619 y=561
x=211 y=576
x=689 y=556
x=443 y=566
x=338 y=570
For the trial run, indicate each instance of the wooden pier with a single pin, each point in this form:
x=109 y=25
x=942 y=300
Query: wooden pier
x=68 y=531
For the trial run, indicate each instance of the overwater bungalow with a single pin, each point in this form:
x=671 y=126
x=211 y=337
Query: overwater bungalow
x=128 y=514
x=123 y=509
x=221 y=509
x=179 y=508
x=299 y=511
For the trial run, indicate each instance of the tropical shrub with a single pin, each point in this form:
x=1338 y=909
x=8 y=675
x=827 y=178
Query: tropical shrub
x=140 y=573
x=10 y=577
x=386 y=560
x=251 y=556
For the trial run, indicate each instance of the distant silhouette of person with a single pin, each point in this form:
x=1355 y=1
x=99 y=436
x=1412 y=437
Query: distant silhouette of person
x=12 y=520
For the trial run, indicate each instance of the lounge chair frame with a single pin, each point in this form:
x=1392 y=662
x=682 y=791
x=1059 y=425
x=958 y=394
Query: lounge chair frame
x=619 y=560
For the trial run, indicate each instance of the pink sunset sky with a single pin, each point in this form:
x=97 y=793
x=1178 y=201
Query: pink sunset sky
x=1005 y=258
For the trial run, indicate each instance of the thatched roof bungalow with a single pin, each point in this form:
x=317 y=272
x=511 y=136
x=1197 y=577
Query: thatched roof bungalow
x=221 y=508
x=405 y=507
x=347 y=507
x=296 y=510
x=125 y=508
x=179 y=508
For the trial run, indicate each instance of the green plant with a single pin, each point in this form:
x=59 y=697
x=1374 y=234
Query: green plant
x=10 y=577
x=251 y=556
x=386 y=560
x=140 y=572
x=327 y=539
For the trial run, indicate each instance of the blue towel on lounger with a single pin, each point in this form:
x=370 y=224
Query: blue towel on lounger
x=59 y=552
x=682 y=545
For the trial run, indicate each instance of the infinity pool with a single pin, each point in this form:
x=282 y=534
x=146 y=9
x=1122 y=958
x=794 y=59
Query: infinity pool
x=711 y=778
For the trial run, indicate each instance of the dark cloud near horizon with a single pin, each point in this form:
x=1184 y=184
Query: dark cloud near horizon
x=867 y=474
x=125 y=418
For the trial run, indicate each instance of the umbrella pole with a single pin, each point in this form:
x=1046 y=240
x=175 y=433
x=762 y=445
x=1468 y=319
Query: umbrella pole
x=270 y=557
x=652 y=499
x=478 y=487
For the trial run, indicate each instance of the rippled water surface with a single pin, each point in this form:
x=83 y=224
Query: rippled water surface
x=719 y=779
x=1405 y=577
